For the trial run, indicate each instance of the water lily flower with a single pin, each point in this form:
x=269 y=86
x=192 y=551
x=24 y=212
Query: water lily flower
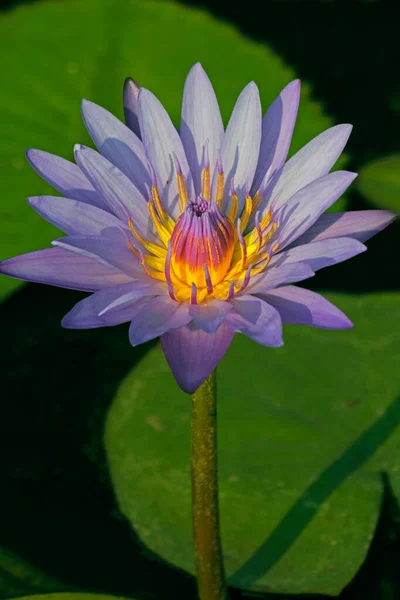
x=197 y=234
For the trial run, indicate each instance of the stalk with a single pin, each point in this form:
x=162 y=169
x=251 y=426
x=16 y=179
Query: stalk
x=205 y=508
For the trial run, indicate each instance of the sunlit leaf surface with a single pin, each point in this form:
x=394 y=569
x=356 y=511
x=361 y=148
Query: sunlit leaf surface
x=379 y=181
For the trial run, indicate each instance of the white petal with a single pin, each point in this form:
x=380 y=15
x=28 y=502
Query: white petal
x=311 y=162
x=320 y=254
x=277 y=128
x=64 y=176
x=162 y=142
x=120 y=194
x=201 y=123
x=304 y=207
x=117 y=143
x=241 y=145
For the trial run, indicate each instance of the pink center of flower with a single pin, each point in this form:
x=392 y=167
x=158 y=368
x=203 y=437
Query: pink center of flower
x=205 y=253
x=202 y=244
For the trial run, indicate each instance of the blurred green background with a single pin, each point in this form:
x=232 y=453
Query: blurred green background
x=94 y=436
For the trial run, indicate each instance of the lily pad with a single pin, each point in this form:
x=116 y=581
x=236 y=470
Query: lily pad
x=305 y=432
x=69 y=596
x=85 y=50
x=379 y=181
x=18 y=576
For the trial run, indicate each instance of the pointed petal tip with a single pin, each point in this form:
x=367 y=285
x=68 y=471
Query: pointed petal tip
x=65 y=322
x=249 y=92
x=33 y=154
x=196 y=72
x=253 y=88
x=86 y=105
x=145 y=93
x=347 y=324
x=193 y=354
x=33 y=200
x=147 y=97
x=344 y=128
x=79 y=148
x=348 y=175
x=131 y=84
x=362 y=247
x=197 y=67
x=4 y=270
x=294 y=86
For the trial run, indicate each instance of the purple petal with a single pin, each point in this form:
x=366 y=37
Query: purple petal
x=193 y=354
x=64 y=176
x=201 y=123
x=117 y=143
x=142 y=288
x=303 y=307
x=131 y=96
x=56 y=266
x=256 y=319
x=358 y=224
x=273 y=277
x=277 y=128
x=241 y=145
x=156 y=317
x=73 y=217
x=320 y=254
x=86 y=314
x=304 y=208
x=161 y=141
x=311 y=162
x=119 y=193
x=209 y=317
x=107 y=251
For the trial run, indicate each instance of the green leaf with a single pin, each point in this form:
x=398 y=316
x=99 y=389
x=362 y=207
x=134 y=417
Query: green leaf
x=18 y=576
x=69 y=596
x=379 y=181
x=305 y=432
x=85 y=50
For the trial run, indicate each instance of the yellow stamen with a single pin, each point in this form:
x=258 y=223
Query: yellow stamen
x=234 y=208
x=246 y=213
x=154 y=248
x=154 y=262
x=136 y=233
x=265 y=258
x=183 y=196
x=266 y=220
x=157 y=201
x=205 y=183
x=220 y=188
x=161 y=228
x=155 y=274
x=256 y=202
x=275 y=247
x=270 y=233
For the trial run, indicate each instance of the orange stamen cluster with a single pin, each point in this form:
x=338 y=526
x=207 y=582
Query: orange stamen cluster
x=205 y=254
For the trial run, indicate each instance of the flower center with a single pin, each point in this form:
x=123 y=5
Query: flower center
x=202 y=244
x=204 y=253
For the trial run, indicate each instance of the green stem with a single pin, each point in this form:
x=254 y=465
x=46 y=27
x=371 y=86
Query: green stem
x=205 y=513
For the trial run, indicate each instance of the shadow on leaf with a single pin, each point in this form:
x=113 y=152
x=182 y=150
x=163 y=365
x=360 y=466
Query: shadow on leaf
x=303 y=511
x=57 y=508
